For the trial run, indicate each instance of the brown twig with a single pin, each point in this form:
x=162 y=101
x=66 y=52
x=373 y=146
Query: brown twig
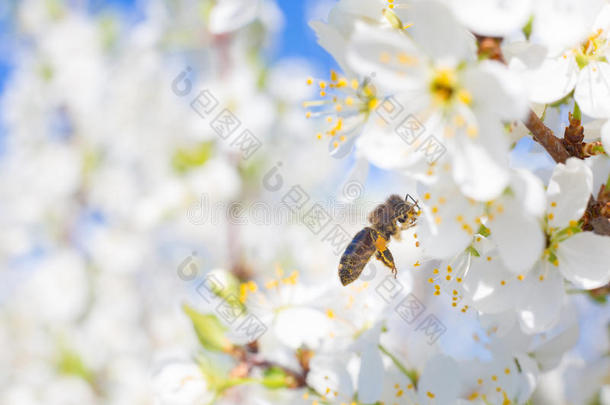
x=597 y=215
x=248 y=358
x=545 y=137
x=489 y=48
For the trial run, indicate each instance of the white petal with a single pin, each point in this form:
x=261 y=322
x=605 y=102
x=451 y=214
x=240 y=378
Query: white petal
x=540 y=302
x=330 y=373
x=370 y=379
x=493 y=17
x=584 y=259
x=553 y=80
x=437 y=31
x=394 y=58
x=550 y=353
x=502 y=322
x=523 y=55
x=568 y=192
x=332 y=41
x=520 y=238
x=295 y=327
x=181 y=384
x=478 y=174
x=496 y=89
x=592 y=91
x=563 y=23
x=593 y=129
x=484 y=284
x=529 y=377
x=348 y=9
x=600 y=167
x=230 y=15
x=442 y=236
x=441 y=378
x=529 y=190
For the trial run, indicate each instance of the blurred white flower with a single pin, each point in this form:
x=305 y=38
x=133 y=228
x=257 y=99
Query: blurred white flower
x=181 y=383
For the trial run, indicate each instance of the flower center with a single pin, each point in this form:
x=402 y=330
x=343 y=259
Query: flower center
x=445 y=88
x=591 y=49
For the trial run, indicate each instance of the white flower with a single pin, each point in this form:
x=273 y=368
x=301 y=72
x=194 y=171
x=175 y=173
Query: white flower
x=581 y=67
x=537 y=292
x=330 y=375
x=230 y=15
x=181 y=383
x=582 y=258
x=58 y=289
x=458 y=102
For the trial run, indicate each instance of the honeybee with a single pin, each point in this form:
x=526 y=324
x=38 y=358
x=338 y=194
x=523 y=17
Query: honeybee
x=387 y=220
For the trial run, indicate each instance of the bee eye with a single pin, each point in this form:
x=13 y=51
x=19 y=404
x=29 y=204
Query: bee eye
x=402 y=219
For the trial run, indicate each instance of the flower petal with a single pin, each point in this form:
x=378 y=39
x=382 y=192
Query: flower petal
x=230 y=15
x=592 y=91
x=552 y=81
x=493 y=17
x=584 y=259
x=394 y=58
x=496 y=89
x=530 y=191
x=540 y=302
x=370 y=378
x=568 y=192
x=520 y=238
x=332 y=41
x=478 y=174
x=297 y=326
x=328 y=373
x=484 y=285
x=438 y=32
x=441 y=379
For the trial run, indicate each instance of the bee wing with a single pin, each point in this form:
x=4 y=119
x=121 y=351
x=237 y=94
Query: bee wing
x=356 y=256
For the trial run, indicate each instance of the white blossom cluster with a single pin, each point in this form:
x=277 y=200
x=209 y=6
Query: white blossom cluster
x=114 y=291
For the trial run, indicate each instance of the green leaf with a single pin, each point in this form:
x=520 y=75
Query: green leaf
x=577 y=113
x=70 y=363
x=209 y=330
x=275 y=377
x=185 y=159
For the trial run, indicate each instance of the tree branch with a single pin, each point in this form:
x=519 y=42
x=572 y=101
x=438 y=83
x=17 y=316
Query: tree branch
x=597 y=215
x=545 y=137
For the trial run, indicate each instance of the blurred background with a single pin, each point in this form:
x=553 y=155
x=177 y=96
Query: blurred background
x=117 y=194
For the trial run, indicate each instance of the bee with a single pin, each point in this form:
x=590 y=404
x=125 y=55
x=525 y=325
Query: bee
x=387 y=220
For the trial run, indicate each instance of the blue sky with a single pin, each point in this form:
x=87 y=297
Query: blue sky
x=298 y=38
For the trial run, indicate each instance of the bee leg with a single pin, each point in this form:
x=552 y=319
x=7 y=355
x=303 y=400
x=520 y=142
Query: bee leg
x=397 y=234
x=385 y=257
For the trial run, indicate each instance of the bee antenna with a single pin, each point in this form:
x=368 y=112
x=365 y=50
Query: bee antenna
x=415 y=202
